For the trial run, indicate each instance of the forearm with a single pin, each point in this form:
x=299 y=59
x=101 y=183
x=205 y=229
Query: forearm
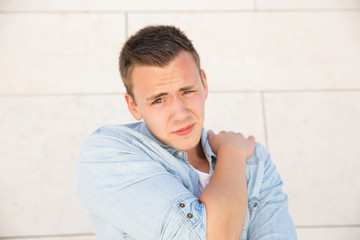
x=225 y=197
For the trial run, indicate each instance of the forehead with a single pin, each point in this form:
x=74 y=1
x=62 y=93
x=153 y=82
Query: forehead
x=183 y=70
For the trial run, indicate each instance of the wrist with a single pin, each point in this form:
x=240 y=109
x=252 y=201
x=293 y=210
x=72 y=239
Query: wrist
x=232 y=153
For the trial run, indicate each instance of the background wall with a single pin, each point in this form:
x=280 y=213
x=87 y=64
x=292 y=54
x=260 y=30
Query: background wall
x=288 y=72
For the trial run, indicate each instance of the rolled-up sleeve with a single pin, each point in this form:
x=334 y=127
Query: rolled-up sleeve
x=268 y=204
x=122 y=186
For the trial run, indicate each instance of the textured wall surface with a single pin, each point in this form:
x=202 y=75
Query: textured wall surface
x=287 y=72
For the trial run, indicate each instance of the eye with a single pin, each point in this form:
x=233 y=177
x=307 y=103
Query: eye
x=188 y=91
x=157 y=101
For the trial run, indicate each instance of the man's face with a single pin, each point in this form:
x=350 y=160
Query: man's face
x=171 y=100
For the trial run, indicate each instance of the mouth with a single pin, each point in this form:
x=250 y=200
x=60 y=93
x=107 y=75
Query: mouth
x=184 y=131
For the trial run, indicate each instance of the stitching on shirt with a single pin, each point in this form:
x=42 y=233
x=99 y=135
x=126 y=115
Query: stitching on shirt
x=106 y=130
x=97 y=218
x=184 y=218
x=172 y=206
x=125 y=139
x=142 y=179
x=175 y=205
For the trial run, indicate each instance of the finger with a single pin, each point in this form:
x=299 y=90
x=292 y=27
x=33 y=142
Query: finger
x=251 y=138
x=211 y=134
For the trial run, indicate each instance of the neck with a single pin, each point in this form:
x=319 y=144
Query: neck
x=197 y=158
x=196 y=152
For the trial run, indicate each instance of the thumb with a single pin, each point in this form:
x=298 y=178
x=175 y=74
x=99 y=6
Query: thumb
x=211 y=134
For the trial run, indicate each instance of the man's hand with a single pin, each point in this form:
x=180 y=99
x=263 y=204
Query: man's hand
x=231 y=141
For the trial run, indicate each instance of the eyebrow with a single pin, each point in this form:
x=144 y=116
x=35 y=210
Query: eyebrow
x=186 y=88
x=153 y=97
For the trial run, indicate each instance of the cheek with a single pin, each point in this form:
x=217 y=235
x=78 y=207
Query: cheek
x=156 y=118
x=197 y=105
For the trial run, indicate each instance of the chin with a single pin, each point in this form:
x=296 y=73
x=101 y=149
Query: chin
x=187 y=144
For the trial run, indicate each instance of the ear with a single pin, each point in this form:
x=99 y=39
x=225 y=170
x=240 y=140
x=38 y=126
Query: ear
x=203 y=78
x=132 y=107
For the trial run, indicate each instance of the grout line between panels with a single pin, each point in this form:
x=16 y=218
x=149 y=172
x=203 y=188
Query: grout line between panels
x=64 y=94
x=286 y=91
x=175 y=11
x=264 y=120
x=215 y=91
x=329 y=226
x=92 y=234
x=126 y=25
x=49 y=236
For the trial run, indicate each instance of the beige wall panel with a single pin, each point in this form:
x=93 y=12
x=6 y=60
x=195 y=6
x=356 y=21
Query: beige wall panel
x=307 y=4
x=271 y=50
x=330 y=233
x=122 y=5
x=315 y=138
x=89 y=237
x=60 y=53
x=40 y=143
x=240 y=112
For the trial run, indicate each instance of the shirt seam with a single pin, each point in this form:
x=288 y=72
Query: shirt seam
x=188 y=223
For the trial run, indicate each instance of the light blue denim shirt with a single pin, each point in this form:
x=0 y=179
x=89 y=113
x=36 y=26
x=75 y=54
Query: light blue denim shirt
x=135 y=187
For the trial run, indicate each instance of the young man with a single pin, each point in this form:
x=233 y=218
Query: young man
x=167 y=178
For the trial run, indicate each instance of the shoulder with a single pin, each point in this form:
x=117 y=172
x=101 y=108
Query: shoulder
x=119 y=131
x=110 y=140
x=260 y=155
x=262 y=177
x=260 y=166
x=125 y=133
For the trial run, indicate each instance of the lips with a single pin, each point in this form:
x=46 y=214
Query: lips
x=184 y=131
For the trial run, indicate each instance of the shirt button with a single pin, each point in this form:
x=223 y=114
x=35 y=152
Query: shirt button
x=189 y=215
x=182 y=205
x=180 y=154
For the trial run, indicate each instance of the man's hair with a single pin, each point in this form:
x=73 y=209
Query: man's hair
x=153 y=46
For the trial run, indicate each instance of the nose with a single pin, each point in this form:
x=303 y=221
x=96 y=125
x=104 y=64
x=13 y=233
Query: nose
x=179 y=110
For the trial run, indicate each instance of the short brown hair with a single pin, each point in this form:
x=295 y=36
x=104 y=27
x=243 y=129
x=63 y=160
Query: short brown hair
x=153 y=46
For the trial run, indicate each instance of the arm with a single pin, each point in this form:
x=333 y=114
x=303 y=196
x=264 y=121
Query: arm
x=225 y=197
x=268 y=206
x=129 y=192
